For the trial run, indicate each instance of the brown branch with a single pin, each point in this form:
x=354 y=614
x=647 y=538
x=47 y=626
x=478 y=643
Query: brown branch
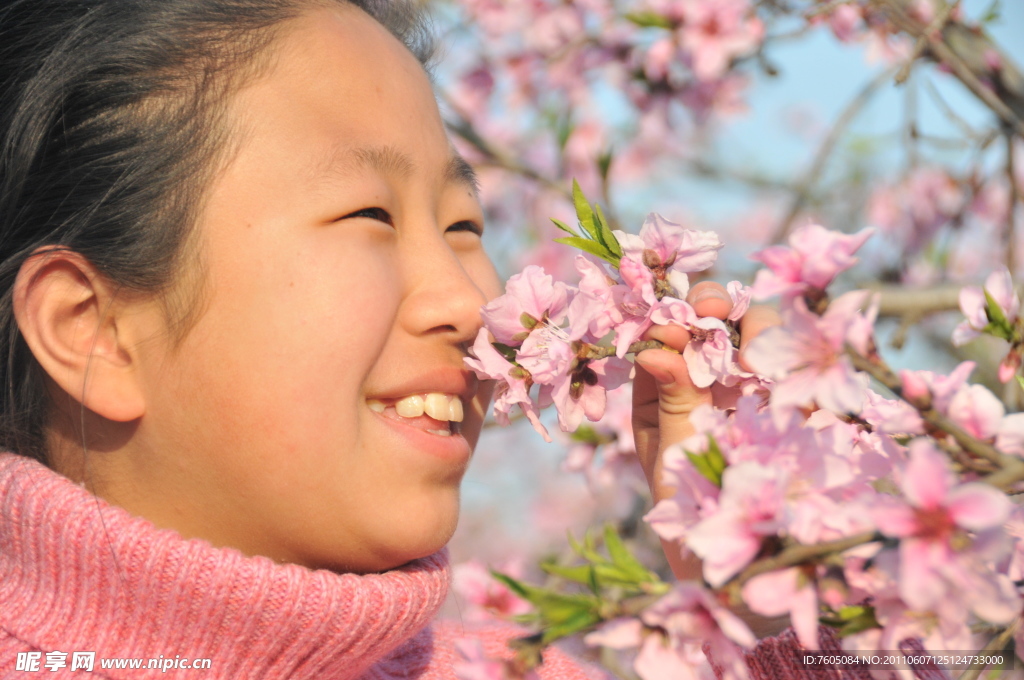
x=814 y=172
x=1011 y=210
x=934 y=27
x=945 y=54
x=996 y=644
x=799 y=554
x=1011 y=468
x=900 y=302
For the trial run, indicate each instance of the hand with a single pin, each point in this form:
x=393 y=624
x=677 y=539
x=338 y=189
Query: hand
x=664 y=396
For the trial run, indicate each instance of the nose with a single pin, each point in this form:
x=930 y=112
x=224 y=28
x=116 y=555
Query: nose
x=445 y=291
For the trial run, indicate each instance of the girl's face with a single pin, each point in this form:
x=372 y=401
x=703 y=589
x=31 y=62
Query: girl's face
x=343 y=273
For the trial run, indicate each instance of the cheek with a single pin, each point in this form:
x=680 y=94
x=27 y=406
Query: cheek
x=484 y=275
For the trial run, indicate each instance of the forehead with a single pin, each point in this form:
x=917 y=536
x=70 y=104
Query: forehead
x=339 y=91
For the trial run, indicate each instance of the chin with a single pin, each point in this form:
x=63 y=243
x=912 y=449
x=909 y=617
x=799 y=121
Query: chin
x=420 y=538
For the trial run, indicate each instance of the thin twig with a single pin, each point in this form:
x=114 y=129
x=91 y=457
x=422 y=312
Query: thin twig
x=996 y=644
x=960 y=69
x=948 y=111
x=825 y=8
x=1011 y=209
x=934 y=27
x=799 y=554
x=813 y=174
x=1011 y=469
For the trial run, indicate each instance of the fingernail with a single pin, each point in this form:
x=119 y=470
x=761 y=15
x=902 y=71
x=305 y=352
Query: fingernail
x=711 y=293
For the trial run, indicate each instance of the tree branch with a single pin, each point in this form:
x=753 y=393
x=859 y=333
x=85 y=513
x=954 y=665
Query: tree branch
x=1011 y=468
x=996 y=644
x=1011 y=209
x=971 y=46
x=798 y=554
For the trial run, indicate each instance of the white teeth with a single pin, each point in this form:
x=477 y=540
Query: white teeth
x=410 y=407
x=443 y=433
x=436 y=406
x=455 y=410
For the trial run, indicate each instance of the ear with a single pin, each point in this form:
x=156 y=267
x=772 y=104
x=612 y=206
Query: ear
x=76 y=328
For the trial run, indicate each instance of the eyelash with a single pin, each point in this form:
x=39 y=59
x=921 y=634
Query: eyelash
x=382 y=215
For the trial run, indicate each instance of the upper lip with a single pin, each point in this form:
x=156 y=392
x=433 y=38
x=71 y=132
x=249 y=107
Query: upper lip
x=461 y=383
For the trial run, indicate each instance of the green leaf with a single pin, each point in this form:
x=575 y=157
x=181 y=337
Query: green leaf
x=622 y=558
x=648 y=20
x=588 y=246
x=1020 y=381
x=604 y=164
x=715 y=458
x=584 y=213
x=711 y=464
x=858 y=624
x=992 y=13
x=583 y=573
x=995 y=313
x=505 y=351
x=607 y=237
x=565 y=227
x=577 y=623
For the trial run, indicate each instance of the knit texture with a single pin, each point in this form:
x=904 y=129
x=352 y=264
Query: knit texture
x=79 y=574
x=781 y=658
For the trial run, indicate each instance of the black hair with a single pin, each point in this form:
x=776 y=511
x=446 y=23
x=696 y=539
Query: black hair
x=109 y=133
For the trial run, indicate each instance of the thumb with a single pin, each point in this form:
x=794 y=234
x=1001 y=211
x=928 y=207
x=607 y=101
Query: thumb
x=677 y=395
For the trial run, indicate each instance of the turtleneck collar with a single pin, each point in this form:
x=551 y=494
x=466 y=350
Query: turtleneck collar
x=78 y=574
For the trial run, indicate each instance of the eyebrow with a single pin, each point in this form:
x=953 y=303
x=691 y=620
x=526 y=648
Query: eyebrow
x=387 y=160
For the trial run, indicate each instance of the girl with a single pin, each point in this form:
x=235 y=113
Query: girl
x=240 y=265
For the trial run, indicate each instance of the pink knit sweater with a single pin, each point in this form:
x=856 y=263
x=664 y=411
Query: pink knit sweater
x=80 y=575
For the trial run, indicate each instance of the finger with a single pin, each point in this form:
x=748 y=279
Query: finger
x=756 y=321
x=710 y=299
x=676 y=392
x=672 y=336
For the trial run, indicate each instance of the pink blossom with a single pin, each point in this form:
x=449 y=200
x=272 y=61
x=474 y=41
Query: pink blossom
x=999 y=285
x=665 y=252
x=1010 y=434
x=658 y=659
x=672 y=632
x=714 y=33
x=475 y=664
x=805 y=355
x=846 y=21
x=692 y=617
x=936 y=510
x=487 y=597
x=719 y=98
x=976 y=410
x=751 y=506
x=941 y=388
x=814 y=257
x=547 y=353
x=787 y=591
x=582 y=392
x=914 y=210
x=891 y=416
x=596 y=308
x=513 y=384
x=532 y=293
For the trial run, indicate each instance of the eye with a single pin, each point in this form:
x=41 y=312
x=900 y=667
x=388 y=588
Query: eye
x=379 y=214
x=467 y=225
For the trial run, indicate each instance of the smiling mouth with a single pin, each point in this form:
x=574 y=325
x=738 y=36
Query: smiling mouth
x=433 y=412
